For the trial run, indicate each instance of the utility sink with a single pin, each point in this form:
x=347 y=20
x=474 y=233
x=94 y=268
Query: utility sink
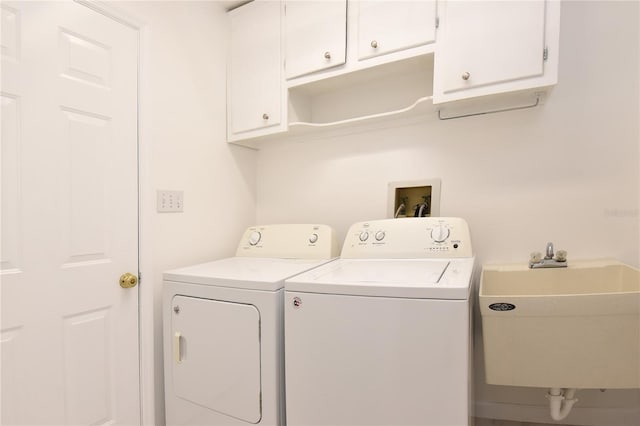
x=573 y=327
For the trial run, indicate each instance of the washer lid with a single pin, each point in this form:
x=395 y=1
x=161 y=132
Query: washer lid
x=409 y=278
x=242 y=272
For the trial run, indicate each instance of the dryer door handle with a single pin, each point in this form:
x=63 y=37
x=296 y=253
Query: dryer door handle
x=176 y=347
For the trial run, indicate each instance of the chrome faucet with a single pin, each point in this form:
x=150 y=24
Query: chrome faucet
x=549 y=251
x=550 y=260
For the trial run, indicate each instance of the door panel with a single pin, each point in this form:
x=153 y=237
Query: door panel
x=69 y=216
x=88 y=371
x=11 y=235
x=217 y=365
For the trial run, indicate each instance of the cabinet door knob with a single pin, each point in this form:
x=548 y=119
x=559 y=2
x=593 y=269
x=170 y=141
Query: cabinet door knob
x=265 y=116
x=327 y=55
x=466 y=75
x=374 y=44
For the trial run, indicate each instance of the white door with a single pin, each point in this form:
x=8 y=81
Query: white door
x=69 y=332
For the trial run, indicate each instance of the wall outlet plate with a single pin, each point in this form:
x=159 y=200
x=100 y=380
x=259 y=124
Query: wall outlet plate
x=412 y=194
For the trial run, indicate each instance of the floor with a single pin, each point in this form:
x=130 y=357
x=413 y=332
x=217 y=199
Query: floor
x=494 y=422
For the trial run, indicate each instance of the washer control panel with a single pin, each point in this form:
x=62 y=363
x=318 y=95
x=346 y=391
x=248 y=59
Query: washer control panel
x=425 y=237
x=289 y=241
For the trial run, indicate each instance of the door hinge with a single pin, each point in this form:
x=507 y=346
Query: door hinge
x=437 y=22
x=545 y=53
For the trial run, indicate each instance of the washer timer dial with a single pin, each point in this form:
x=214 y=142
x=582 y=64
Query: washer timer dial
x=440 y=233
x=254 y=238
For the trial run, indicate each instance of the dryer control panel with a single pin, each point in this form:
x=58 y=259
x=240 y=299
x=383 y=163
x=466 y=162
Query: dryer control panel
x=411 y=238
x=289 y=241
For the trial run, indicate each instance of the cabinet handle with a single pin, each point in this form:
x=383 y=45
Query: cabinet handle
x=374 y=44
x=327 y=55
x=265 y=116
x=466 y=75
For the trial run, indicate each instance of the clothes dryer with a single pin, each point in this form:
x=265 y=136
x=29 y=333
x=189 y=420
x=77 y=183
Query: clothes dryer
x=382 y=336
x=223 y=327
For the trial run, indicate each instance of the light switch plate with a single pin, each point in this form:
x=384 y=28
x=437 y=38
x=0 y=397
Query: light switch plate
x=170 y=201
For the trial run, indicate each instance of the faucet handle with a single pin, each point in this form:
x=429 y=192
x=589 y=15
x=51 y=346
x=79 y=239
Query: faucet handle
x=561 y=255
x=535 y=257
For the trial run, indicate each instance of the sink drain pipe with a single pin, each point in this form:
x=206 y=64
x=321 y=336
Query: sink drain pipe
x=560 y=402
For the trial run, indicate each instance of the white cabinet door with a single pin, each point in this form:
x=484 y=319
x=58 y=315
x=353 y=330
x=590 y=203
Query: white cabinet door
x=488 y=45
x=316 y=34
x=387 y=26
x=255 y=68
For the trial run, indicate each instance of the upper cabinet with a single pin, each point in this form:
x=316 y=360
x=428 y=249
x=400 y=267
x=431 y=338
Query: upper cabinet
x=300 y=66
x=255 y=96
x=489 y=47
x=316 y=35
x=388 y=26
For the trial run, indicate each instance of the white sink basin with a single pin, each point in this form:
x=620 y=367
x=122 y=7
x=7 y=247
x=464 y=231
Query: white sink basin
x=574 y=327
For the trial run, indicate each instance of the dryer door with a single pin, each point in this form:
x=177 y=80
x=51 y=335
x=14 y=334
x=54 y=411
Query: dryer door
x=216 y=351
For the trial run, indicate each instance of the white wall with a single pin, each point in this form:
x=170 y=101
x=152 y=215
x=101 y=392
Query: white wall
x=566 y=172
x=183 y=147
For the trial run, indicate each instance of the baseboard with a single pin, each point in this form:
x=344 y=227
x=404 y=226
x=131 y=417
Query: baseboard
x=540 y=414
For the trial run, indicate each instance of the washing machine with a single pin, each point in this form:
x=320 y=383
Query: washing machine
x=382 y=336
x=223 y=327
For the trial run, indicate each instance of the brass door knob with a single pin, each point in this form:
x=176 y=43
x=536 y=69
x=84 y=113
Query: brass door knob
x=128 y=280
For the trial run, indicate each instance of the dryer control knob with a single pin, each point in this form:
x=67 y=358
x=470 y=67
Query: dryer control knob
x=364 y=236
x=380 y=235
x=440 y=233
x=313 y=238
x=254 y=238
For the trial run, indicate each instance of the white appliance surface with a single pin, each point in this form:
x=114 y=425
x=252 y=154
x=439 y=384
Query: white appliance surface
x=417 y=278
x=361 y=360
x=382 y=335
x=228 y=362
x=224 y=327
x=243 y=272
